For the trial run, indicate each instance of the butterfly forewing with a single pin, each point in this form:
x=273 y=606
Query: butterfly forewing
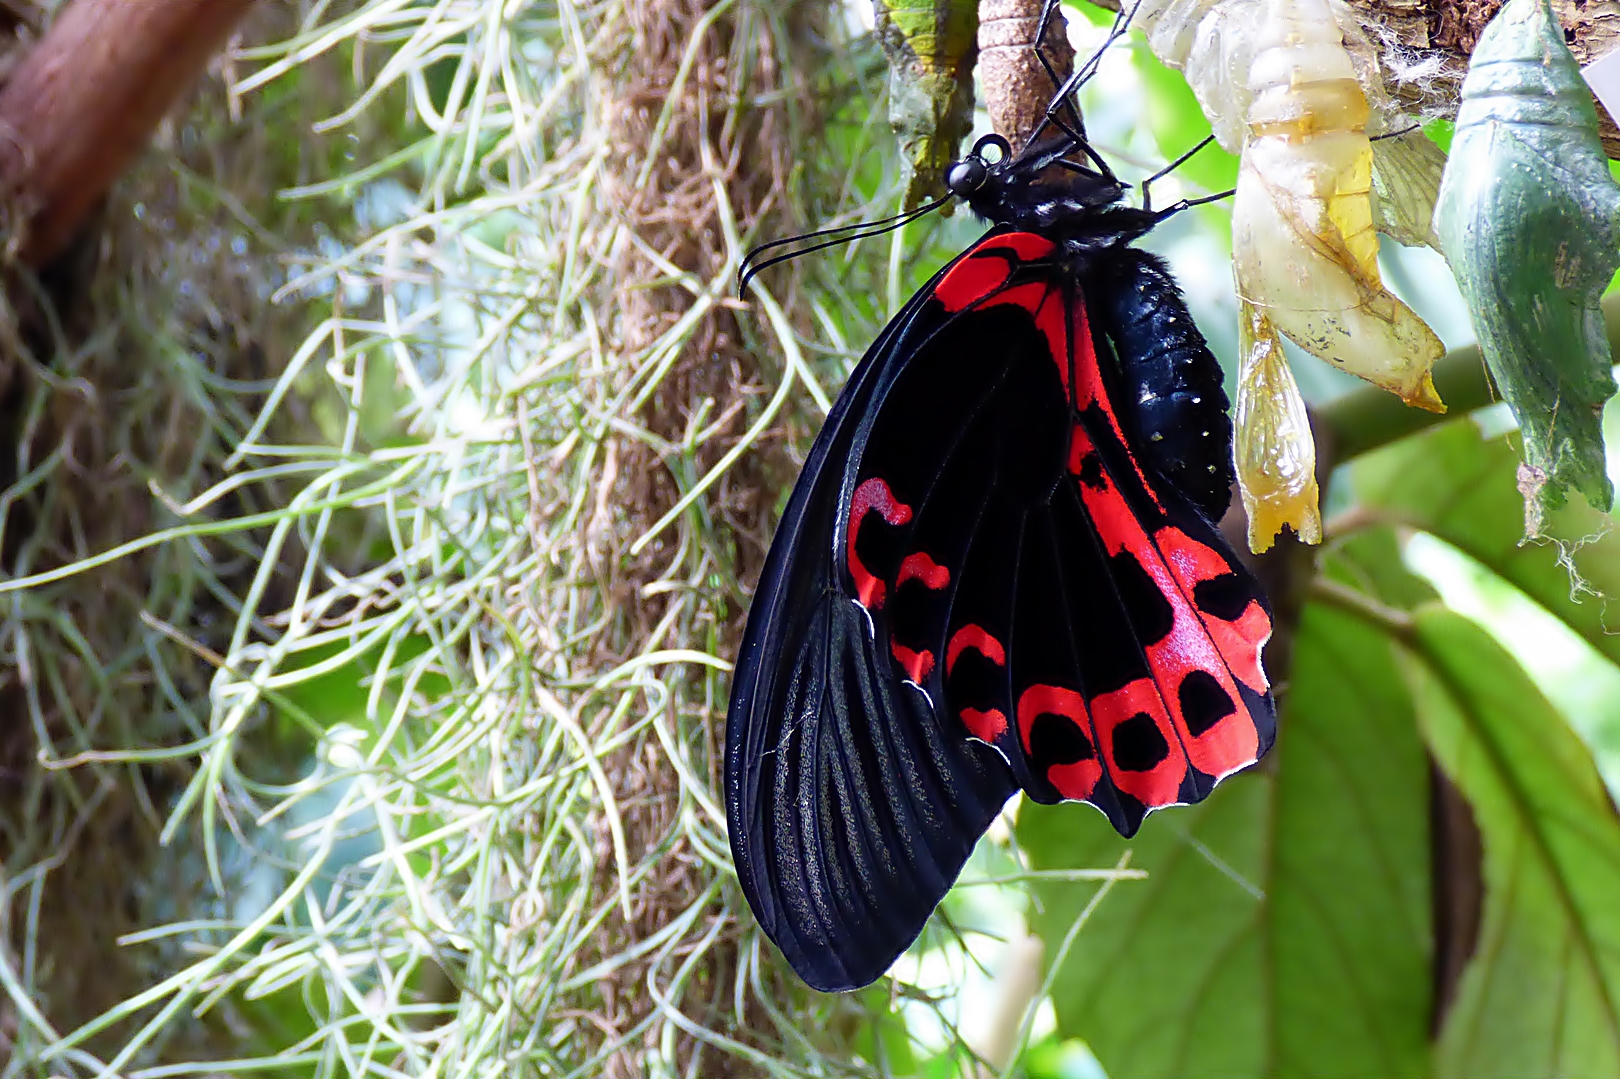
x=980 y=584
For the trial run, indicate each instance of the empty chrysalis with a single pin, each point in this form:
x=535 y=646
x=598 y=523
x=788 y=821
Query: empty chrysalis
x=1303 y=242
x=1213 y=43
x=1272 y=447
x=1529 y=218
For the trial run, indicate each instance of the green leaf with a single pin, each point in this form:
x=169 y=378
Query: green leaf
x=882 y=1038
x=1166 y=977
x=1540 y=996
x=1350 y=924
x=1442 y=132
x=1453 y=482
x=1054 y=1059
x=1579 y=681
x=1284 y=928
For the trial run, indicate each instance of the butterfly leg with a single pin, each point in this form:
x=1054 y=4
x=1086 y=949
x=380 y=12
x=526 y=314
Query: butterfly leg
x=1147 y=199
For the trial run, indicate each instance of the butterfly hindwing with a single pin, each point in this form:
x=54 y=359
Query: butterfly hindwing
x=980 y=585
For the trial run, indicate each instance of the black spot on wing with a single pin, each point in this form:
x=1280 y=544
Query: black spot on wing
x=1138 y=744
x=1225 y=597
x=1203 y=702
x=915 y=616
x=1091 y=471
x=1150 y=613
x=1058 y=739
x=878 y=545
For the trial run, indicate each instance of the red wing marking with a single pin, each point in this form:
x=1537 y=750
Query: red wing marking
x=1072 y=780
x=1038 y=700
x=1240 y=642
x=1091 y=391
x=978 y=639
x=986 y=726
x=1076 y=781
x=1026 y=245
x=918 y=665
x=1139 y=743
x=1231 y=743
x=983 y=270
x=874 y=494
x=919 y=566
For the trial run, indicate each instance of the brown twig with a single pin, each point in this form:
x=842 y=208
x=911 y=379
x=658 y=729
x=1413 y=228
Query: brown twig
x=86 y=100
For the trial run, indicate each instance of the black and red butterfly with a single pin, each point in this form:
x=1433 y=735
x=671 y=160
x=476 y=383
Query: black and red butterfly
x=998 y=570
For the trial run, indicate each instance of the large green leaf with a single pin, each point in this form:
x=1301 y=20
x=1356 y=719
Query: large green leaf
x=1350 y=915
x=1166 y=978
x=1284 y=928
x=1455 y=483
x=1542 y=994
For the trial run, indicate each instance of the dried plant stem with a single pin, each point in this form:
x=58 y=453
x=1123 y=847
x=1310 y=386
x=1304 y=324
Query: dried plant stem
x=1016 y=87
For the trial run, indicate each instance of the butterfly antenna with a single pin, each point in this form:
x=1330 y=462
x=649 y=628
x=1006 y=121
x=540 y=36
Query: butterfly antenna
x=749 y=268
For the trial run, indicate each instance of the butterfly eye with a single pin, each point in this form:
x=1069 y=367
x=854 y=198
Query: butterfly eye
x=966 y=176
x=969 y=174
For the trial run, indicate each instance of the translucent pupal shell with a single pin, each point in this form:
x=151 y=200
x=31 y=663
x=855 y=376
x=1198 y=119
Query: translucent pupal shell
x=1303 y=242
x=1213 y=43
x=1407 y=167
x=1273 y=449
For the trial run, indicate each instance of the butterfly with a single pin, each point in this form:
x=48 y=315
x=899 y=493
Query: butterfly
x=998 y=570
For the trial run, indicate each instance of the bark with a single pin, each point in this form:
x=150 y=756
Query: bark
x=86 y=99
x=1447 y=30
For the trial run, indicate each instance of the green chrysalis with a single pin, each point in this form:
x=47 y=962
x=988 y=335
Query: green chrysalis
x=931 y=46
x=1529 y=218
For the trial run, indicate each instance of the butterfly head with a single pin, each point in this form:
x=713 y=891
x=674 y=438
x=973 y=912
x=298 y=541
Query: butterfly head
x=965 y=177
x=1059 y=187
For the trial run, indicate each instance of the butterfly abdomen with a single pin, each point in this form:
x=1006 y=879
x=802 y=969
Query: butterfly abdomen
x=1171 y=400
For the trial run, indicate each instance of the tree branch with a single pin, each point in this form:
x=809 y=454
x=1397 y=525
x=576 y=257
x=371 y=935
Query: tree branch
x=85 y=101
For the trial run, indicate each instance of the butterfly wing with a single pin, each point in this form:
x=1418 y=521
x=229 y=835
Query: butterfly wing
x=977 y=586
x=851 y=807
